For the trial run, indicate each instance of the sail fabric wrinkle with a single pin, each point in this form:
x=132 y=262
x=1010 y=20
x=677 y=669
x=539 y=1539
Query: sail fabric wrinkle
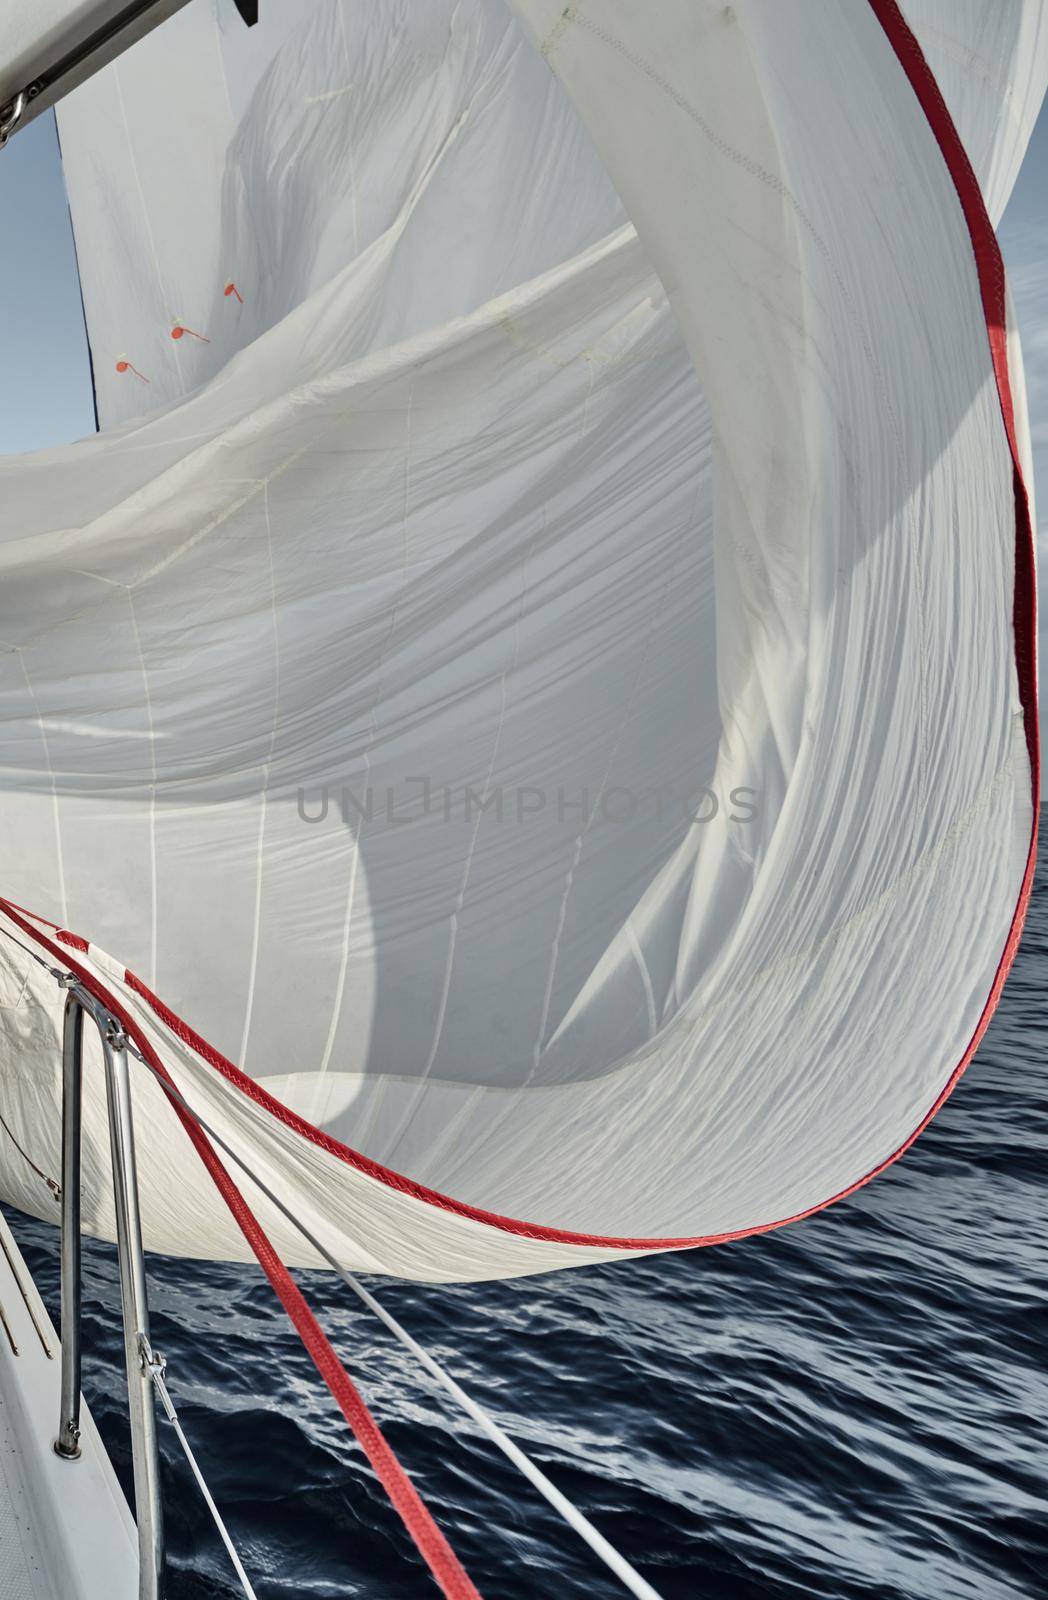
x=991 y=64
x=148 y=247
x=361 y=132
x=369 y=682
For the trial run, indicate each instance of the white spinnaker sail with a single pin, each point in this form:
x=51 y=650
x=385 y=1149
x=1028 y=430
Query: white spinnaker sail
x=441 y=506
x=990 y=61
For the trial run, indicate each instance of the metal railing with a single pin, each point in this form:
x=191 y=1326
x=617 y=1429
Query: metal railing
x=138 y=1352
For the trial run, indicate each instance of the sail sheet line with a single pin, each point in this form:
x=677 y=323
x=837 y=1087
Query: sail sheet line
x=444 y=1565
x=848 y=632
x=157 y=1371
x=601 y=1547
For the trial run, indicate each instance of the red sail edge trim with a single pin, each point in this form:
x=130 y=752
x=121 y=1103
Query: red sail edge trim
x=990 y=268
x=431 y=1544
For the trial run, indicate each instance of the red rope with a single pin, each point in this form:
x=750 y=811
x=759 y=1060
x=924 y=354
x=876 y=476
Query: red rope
x=431 y=1544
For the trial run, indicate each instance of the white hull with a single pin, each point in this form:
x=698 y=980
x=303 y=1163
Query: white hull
x=66 y=1532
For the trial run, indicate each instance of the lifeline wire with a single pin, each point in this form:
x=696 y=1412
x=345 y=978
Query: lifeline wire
x=431 y=1544
x=612 y=1558
x=155 y=1371
x=52 y=1183
x=606 y=1552
x=159 y=1383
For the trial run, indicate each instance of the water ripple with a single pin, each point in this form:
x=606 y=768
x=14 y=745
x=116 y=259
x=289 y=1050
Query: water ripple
x=853 y=1408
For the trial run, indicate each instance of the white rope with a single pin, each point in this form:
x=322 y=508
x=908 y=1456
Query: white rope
x=612 y=1558
x=155 y=1363
x=618 y=1564
x=172 y=1417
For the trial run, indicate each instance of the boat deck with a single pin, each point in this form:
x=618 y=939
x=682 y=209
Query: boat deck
x=66 y=1532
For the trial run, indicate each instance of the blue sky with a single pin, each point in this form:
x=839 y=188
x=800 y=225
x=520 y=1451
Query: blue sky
x=45 y=396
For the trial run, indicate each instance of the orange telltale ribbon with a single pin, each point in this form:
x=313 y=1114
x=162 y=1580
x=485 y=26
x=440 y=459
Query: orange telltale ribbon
x=231 y=288
x=124 y=365
x=178 y=329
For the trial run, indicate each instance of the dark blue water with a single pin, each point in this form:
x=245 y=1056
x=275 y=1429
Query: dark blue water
x=853 y=1407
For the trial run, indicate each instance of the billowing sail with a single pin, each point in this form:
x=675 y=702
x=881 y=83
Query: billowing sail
x=537 y=668
x=989 y=61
